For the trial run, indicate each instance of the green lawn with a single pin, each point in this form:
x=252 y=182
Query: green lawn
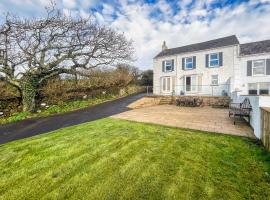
x=115 y=159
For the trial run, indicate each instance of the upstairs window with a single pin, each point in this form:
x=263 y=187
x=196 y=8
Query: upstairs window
x=168 y=65
x=214 y=60
x=189 y=63
x=258 y=68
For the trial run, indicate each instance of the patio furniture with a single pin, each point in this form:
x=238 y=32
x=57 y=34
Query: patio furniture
x=240 y=110
x=189 y=102
x=198 y=102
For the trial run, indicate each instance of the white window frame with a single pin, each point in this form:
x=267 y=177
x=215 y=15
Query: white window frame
x=216 y=79
x=168 y=63
x=258 y=87
x=213 y=59
x=264 y=65
x=192 y=61
x=167 y=87
x=193 y=86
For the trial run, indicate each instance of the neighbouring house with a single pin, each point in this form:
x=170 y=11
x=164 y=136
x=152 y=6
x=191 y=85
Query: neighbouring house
x=217 y=67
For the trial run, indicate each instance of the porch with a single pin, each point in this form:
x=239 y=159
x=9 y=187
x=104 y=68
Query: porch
x=199 y=118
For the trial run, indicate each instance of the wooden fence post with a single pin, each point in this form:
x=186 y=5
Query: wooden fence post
x=265 y=127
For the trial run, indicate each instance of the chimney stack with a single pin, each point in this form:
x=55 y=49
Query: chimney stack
x=164 y=46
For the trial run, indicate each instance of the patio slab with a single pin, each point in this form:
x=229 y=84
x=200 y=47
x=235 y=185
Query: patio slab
x=200 y=118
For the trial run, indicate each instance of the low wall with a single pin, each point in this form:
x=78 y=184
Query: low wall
x=222 y=101
x=10 y=105
x=265 y=127
x=156 y=100
x=255 y=116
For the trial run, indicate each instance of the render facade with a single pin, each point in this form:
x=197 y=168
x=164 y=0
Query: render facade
x=213 y=68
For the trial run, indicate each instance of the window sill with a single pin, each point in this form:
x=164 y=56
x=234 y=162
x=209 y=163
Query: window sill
x=216 y=66
x=261 y=75
x=168 y=71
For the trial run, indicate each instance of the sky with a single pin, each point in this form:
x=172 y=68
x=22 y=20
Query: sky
x=150 y=22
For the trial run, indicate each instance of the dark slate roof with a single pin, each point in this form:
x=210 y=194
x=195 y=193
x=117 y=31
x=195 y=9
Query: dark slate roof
x=220 y=42
x=255 y=47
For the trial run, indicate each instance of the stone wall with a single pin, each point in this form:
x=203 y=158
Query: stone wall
x=10 y=105
x=216 y=101
x=157 y=100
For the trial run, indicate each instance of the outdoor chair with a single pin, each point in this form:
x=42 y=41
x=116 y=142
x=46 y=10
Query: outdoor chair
x=240 y=110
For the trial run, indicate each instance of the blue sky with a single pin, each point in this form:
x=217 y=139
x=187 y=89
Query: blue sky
x=150 y=22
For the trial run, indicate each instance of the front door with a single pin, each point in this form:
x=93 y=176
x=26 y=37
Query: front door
x=188 y=83
x=191 y=83
x=166 y=87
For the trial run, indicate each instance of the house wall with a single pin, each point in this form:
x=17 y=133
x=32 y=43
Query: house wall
x=225 y=72
x=241 y=78
x=157 y=68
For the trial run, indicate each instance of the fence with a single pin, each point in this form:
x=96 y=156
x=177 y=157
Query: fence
x=178 y=90
x=265 y=127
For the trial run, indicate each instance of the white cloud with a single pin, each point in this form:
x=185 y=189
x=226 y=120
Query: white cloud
x=88 y=3
x=70 y=4
x=148 y=33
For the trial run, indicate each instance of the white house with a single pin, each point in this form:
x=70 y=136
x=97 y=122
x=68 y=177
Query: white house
x=216 y=67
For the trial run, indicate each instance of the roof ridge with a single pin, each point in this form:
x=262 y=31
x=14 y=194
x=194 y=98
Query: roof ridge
x=256 y=42
x=203 y=42
x=210 y=44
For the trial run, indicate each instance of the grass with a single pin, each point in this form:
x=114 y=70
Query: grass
x=56 y=109
x=117 y=159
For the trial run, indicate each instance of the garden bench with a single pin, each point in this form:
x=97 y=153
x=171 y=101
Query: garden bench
x=240 y=110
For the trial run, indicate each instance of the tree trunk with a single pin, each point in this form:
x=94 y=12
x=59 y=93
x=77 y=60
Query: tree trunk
x=29 y=92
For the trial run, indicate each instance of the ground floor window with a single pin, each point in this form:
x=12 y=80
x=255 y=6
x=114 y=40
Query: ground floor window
x=259 y=88
x=214 y=80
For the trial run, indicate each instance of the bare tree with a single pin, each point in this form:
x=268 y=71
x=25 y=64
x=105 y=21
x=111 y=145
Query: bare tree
x=35 y=50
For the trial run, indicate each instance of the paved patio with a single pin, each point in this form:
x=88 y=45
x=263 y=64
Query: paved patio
x=200 y=118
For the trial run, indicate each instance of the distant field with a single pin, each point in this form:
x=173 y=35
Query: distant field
x=116 y=159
